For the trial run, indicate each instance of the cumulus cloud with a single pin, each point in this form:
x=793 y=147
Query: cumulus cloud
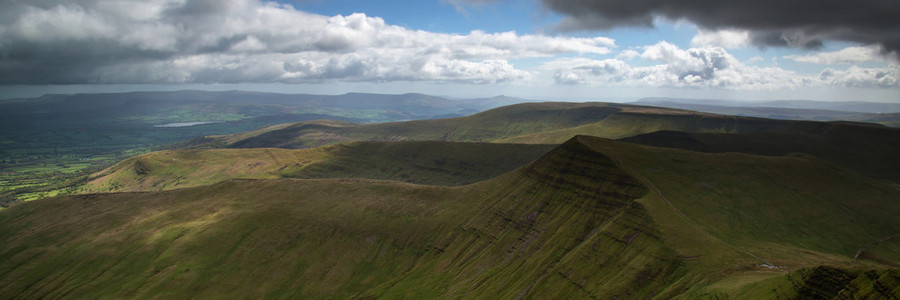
x=724 y=38
x=793 y=23
x=628 y=54
x=847 y=55
x=861 y=77
x=206 y=41
x=705 y=67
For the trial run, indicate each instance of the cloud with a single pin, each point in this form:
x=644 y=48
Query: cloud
x=705 y=67
x=847 y=55
x=230 y=41
x=792 y=23
x=861 y=77
x=725 y=38
x=628 y=54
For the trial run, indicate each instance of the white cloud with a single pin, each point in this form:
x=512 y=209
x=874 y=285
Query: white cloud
x=847 y=55
x=173 y=41
x=705 y=67
x=855 y=76
x=628 y=54
x=725 y=38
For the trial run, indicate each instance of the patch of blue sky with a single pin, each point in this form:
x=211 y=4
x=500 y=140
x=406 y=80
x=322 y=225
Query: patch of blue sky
x=521 y=16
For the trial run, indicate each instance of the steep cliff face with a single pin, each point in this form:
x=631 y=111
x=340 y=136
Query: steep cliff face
x=565 y=226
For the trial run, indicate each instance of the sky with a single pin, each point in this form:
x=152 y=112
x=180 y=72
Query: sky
x=577 y=50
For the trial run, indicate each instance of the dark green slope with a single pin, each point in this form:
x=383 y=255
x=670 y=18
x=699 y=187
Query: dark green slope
x=555 y=123
x=236 y=239
x=632 y=121
x=565 y=227
x=881 y=113
x=868 y=149
x=527 y=233
x=795 y=214
x=795 y=200
x=421 y=162
x=594 y=218
x=824 y=282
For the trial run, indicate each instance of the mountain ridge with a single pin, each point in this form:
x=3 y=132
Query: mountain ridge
x=846 y=106
x=574 y=223
x=867 y=148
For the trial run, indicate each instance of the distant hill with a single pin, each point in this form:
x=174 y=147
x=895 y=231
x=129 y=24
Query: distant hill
x=362 y=106
x=844 y=106
x=867 y=148
x=593 y=218
x=48 y=142
x=551 y=122
x=487 y=126
x=811 y=114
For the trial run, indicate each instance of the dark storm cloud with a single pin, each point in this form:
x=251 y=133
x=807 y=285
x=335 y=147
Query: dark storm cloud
x=793 y=23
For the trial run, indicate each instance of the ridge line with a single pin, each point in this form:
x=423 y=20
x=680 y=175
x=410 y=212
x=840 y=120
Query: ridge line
x=659 y=193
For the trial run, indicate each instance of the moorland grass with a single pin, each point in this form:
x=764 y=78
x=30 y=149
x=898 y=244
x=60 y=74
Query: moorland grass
x=434 y=163
x=593 y=218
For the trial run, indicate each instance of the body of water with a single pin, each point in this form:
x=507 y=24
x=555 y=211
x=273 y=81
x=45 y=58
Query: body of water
x=185 y=124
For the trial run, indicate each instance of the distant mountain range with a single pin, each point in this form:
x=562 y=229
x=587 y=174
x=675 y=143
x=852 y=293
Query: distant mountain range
x=846 y=106
x=870 y=112
x=46 y=142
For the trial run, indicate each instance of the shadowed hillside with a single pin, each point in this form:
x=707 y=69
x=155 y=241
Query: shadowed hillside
x=436 y=163
x=536 y=123
x=593 y=218
x=867 y=148
x=881 y=113
x=870 y=150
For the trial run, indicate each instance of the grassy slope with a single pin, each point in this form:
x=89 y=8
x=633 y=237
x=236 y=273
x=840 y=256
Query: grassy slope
x=887 y=119
x=791 y=212
x=340 y=238
x=48 y=144
x=564 y=227
x=866 y=148
x=797 y=200
x=870 y=150
x=590 y=219
x=638 y=121
x=439 y=163
x=430 y=162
